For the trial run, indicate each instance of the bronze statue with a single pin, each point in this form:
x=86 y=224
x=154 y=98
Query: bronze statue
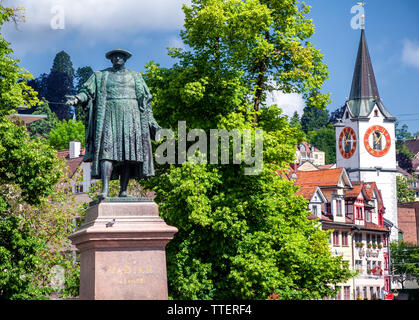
x=120 y=124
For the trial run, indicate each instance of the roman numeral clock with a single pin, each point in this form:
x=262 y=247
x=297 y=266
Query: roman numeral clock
x=377 y=141
x=347 y=142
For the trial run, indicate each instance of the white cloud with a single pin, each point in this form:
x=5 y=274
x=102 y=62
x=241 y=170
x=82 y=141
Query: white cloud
x=410 y=53
x=288 y=102
x=93 y=20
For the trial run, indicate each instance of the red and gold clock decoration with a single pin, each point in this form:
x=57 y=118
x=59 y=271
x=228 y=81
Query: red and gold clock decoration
x=377 y=141
x=347 y=142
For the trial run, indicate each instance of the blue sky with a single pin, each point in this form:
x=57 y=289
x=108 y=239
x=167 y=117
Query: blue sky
x=92 y=27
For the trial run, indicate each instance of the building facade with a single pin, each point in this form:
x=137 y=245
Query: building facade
x=365 y=136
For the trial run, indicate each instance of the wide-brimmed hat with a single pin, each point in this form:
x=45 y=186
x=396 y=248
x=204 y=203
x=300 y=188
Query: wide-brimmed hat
x=126 y=53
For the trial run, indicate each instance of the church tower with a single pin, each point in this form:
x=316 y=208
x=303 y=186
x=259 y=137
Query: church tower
x=365 y=136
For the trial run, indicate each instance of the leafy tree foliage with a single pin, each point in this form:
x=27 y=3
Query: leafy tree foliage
x=404 y=261
x=404 y=194
x=402 y=134
x=241 y=236
x=57 y=84
x=65 y=132
x=313 y=119
x=18 y=259
x=295 y=121
x=33 y=230
x=14 y=89
x=324 y=139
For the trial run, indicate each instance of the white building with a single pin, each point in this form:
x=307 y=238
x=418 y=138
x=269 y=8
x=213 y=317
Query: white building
x=365 y=136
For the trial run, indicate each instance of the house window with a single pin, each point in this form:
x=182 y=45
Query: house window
x=373 y=238
x=376 y=113
x=328 y=208
x=339 y=208
x=378 y=292
x=365 y=292
x=314 y=209
x=346 y=115
x=347 y=293
x=367 y=216
x=336 y=238
x=357 y=292
x=368 y=238
x=359 y=213
x=385 y=261
x=344 y=239
x=358 y=265
x=338 y=295
x=372 y=294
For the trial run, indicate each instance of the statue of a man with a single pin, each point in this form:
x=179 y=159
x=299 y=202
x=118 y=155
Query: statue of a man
x=120 y=124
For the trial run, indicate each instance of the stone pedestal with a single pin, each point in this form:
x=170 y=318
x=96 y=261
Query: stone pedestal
x=122 y=251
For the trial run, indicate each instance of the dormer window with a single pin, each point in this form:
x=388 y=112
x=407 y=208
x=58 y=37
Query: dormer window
x=375 y=113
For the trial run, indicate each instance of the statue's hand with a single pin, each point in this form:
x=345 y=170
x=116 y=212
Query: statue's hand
x=72 y=101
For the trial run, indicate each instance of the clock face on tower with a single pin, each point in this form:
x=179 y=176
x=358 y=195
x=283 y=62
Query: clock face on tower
x=347 y=142
x=377 y=141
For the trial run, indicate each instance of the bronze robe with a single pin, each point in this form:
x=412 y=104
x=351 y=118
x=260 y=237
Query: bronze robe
x=120 y=122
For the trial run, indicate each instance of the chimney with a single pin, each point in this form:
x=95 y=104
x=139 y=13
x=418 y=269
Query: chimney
x=75 y=147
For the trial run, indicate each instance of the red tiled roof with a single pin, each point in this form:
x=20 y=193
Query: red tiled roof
x=354 y=193
x=312 y=217
x=321 y=178
x=307 y=191
x=324 y=218
x=373 y=226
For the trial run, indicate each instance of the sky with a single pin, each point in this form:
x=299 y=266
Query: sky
x=87 y=29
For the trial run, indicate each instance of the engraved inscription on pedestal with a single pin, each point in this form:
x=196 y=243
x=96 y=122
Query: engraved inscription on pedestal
x=127 y=260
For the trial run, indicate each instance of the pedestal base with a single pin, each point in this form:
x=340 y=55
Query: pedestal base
x=122 y=252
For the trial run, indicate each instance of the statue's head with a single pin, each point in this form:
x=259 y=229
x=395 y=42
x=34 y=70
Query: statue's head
x=118 y=57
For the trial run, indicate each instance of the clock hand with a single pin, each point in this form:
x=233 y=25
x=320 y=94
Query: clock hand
x=379 y=138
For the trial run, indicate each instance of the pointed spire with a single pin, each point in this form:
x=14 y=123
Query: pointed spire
x=364 y=85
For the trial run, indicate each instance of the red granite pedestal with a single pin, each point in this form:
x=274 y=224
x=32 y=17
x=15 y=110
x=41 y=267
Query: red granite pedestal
x=122 y=251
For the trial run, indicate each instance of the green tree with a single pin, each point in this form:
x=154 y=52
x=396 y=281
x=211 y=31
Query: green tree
x=324 y=139
x=314 y=118
x=295 y=121
x=241 y=236
x=60 y=82
x=18 y=259
x=14 y=89
x=42 y=128
x=404 y=194
x=402 y=134
x=34 y=219
x=404 y=262
x=65 y=132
